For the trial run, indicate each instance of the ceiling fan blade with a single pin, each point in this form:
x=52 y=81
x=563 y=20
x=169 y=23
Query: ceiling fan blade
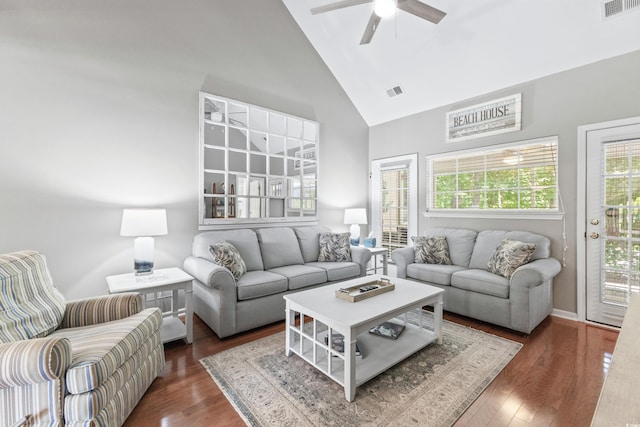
x=421 y=10
x=337 y=5
x=372 y=26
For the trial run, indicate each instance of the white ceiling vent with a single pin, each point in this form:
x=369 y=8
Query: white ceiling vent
x=397 y=90
x=618 y=7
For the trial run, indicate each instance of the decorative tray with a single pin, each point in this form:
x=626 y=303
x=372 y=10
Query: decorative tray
x=365 y=290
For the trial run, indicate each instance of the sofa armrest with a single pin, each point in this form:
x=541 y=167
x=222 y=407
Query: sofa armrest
x=33 y=361
x=402 y=258
x=210 y=274
x=361 y=255
x=535 y=273
x=105 y=308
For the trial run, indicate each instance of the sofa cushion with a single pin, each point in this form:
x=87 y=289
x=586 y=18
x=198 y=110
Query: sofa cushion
x=543 y=244
x=245 y=241
x=30 y=306
x=488 y=240
x=338 y=270
x=308 y=238
x=510 y=255
x=279 y=246
x=481 y=281
x=256 y=284
x=460 y=241
x=334 y=247
x=434 y=273
x=431 y=250
x=96 y=356
x=301 y=276
x=226 y=255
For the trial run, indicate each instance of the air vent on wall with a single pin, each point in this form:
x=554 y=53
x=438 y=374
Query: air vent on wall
x=618 y=7
x=397 y=90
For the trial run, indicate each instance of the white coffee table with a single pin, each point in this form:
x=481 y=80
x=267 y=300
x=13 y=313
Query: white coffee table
x=322 y=313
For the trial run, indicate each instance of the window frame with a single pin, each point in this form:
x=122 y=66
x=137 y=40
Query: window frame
x=504 y=213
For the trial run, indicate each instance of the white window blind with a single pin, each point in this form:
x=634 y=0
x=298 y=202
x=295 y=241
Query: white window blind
x=510 y=177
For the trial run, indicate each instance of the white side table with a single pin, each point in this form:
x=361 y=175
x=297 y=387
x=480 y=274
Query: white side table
x=375 y=252
x=162 y=279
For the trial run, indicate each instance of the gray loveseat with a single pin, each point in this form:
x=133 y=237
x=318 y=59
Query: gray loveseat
x=519 y=303
x=279 y=260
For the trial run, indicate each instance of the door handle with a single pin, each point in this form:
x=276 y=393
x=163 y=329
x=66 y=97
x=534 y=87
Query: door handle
x=594 y=235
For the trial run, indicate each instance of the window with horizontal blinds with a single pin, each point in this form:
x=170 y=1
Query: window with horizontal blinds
x=394 y=196
x=509 y=177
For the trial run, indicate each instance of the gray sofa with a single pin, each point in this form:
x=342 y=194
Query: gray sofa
x=279 y=260
x=519 y=303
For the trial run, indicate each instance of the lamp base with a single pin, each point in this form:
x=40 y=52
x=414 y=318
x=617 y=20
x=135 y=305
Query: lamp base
x=355 y=234
x=143 y=255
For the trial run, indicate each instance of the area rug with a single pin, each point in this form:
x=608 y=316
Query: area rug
x=431 y=388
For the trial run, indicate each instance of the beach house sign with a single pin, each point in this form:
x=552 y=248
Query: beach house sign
x=489 y=118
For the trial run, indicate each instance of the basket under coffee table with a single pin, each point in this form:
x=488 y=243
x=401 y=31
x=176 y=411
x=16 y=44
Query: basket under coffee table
x=322 y=314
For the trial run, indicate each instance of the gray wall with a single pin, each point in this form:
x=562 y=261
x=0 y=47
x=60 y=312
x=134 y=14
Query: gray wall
x=99 y=111
x=554 y=105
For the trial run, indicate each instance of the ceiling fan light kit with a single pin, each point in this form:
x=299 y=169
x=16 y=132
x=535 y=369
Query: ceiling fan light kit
x=384 y=9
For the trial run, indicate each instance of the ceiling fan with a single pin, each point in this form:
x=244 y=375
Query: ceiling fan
x=383 y=9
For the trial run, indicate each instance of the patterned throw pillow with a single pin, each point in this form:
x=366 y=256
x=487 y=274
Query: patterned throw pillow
x=334 y=247
x=226 y=255
x=510 y=255
x=431 y=250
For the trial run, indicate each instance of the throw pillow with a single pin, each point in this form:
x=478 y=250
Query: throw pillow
x=334 y=247
x=431 y=250
x=226 y=255
x=509 y=255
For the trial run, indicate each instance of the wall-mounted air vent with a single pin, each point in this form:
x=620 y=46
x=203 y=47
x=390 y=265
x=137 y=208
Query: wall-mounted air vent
x=397 y=90
x=619 y=7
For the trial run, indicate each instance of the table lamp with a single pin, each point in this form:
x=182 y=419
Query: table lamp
x=143 y=224
x=355 y=217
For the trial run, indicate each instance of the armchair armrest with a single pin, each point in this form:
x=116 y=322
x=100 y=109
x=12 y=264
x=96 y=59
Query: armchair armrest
x=105 y=308
x=210 y=274
x=361 y=255
x=402 y=258
x=33 y=361
x=535 y=273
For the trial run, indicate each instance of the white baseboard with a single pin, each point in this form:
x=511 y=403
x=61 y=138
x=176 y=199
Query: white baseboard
x=565 y=314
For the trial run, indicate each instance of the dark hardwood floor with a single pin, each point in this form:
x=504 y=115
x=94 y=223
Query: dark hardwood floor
x=555 y=380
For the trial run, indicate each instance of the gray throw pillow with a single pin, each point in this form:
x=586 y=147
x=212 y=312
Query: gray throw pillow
x=226 y=255
x=334 y=247
x=510 y=255
x=431 y=250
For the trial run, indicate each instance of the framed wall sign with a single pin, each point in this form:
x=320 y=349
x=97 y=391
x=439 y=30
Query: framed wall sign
x=489 y=118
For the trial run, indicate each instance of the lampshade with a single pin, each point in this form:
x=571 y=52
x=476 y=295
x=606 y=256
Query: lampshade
x=143 y=222
x=355 y=216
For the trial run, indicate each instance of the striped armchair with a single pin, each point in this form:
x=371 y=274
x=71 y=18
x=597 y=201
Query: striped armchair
x=77 y=363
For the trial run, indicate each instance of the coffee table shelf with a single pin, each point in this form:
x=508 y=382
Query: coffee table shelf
x=321 y=314
x=379 y=353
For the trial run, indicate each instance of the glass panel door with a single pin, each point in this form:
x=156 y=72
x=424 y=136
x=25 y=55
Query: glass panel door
x=613 y=229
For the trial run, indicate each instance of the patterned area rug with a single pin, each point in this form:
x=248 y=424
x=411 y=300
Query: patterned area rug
x=431 y=388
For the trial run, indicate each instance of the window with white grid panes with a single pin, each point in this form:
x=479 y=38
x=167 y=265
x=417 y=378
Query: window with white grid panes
x=621 y=210
x=257 y=165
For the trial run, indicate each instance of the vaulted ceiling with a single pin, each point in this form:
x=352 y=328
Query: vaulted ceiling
x=480 y=46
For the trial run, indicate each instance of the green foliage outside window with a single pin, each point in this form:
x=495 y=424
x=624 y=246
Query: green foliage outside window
x=520 y=177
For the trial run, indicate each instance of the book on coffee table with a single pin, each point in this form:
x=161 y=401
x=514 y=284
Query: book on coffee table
x=388 y=330
x=337 y=343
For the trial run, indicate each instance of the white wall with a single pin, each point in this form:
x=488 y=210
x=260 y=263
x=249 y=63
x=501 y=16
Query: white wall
x=99 y=111
x=554 y=105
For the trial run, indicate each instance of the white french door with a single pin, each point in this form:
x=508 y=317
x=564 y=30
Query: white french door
x=612 y=246
x=394 y=196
